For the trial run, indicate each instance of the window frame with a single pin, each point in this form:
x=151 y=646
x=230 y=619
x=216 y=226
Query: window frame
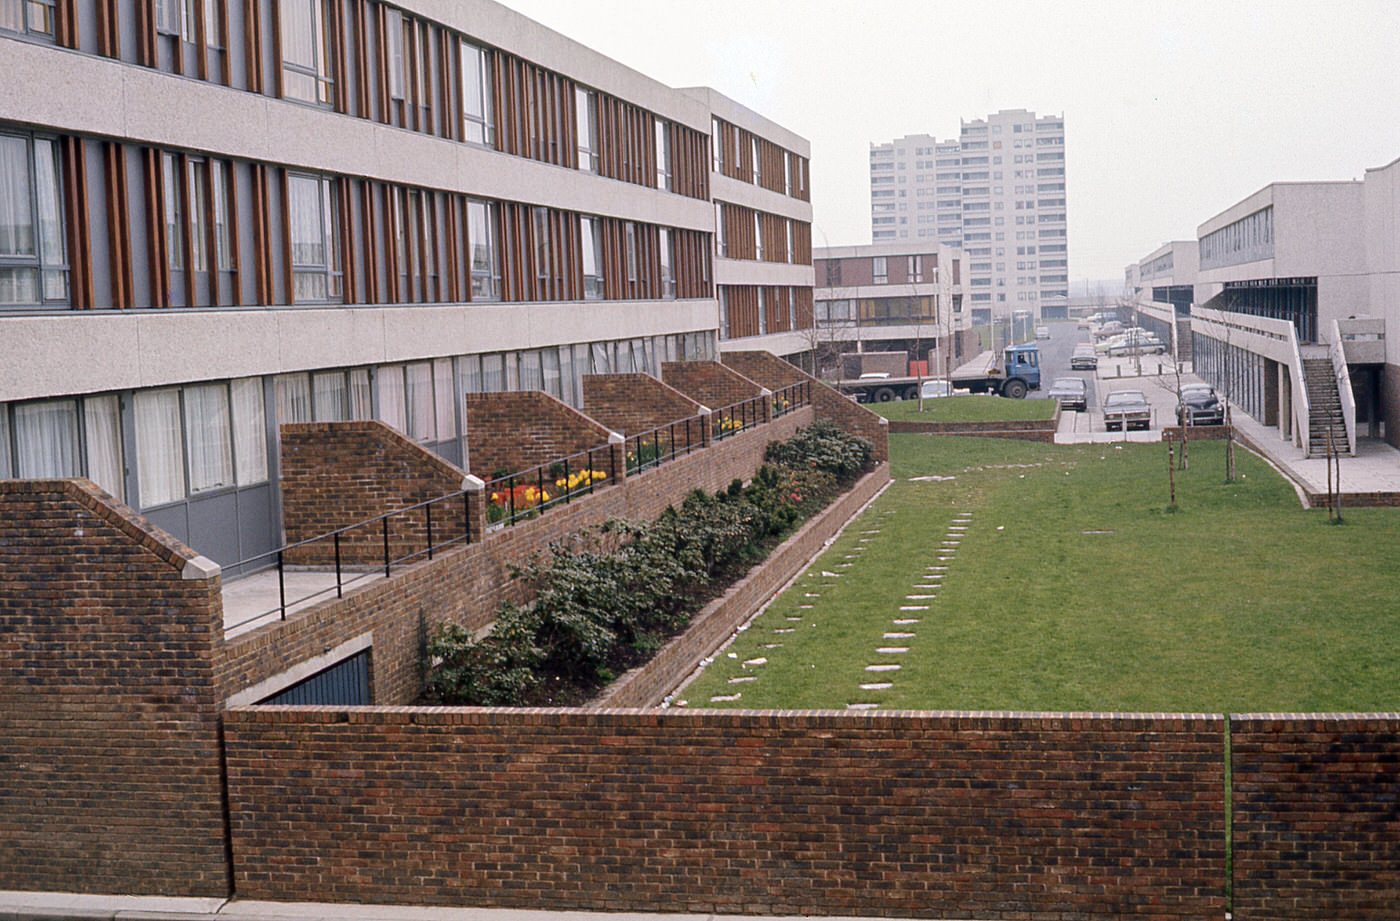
x=41 y=261
x=319 y=70
x=483 y=121
x=490 y=289
x=332 y=266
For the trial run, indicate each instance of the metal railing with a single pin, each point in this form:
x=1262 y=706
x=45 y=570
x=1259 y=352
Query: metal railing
x=363 y=550
x=736 y=417
x=649 y=450
x=531 y=492
x=791 y=397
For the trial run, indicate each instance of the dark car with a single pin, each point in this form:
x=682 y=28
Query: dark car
x=1072 y=393
x=1199 y=406
x=1126 y=409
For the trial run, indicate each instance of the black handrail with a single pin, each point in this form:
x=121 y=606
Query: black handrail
x=737 y=417
x=551 y=484
x=661 y=443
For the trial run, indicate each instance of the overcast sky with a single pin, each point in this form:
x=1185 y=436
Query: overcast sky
x=1173 y=110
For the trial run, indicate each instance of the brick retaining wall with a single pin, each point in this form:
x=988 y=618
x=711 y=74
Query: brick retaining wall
x=109 y=715
x=513 y=431
x=1027 y=430
x=635 y=403
x=935 y=815
x=1316 y=816
x=647 y=685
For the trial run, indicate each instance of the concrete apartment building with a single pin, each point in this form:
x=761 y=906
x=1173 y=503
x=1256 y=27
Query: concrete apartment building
x=997 y=193
x=1292 y=290
x=891 y=297
x=1161 y=286
x=313 y=211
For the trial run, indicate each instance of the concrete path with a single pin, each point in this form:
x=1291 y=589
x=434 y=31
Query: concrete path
x=252 y=601
x=52 y=906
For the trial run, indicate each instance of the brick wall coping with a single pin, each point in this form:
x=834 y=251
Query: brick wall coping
x=164 y=546
x=581 y=718
x=1316 y=718
x=386 y=432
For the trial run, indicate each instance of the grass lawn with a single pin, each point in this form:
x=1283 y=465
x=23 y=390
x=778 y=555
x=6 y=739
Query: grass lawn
x=976 y=408
x=1075 y=589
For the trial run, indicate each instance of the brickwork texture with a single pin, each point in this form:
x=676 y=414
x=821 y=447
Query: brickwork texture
x=709 y=382
x=1002 y=816
x=511 y=432
x=1316 y=816
x=109 y=714
x=631 y=404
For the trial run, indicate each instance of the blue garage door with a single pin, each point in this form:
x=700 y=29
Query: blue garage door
x=345 y=684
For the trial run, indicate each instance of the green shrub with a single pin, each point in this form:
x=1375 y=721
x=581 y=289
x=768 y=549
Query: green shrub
x=823 y=446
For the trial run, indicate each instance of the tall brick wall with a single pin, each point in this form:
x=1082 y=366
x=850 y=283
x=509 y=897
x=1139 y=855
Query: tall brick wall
x=513 y=431
x=999 y=816
x=337 y=474
x=768 y=369
x=709 y=382
x=635 y=403
x=109 y=714
x=1316 y=816
x=467 y=584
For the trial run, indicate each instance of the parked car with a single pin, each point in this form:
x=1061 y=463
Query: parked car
x=1136 y=345
x=1071 y=392
x=1042 y=332
x=1125 y=409
x=1105 y=330
x=1084 y=358
x=1199 y=405
x=932 y=389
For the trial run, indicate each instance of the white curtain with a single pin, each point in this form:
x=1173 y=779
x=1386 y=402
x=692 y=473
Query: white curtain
x=249 y=431
x=160 y=465
x=208 y=437
x=18 y=284
x=390 y=381
x=444 y=399
x=46 y=439
x=566 y=377
x=602 y=361
x=298 y=33
x=361 y=406
x=293 y=393
x=531 y=377
x=420 y=402
x=12 y=15
x=308 y=244
x=103 y=428
x=330 y=397
x=493 y=374
x=549 y=362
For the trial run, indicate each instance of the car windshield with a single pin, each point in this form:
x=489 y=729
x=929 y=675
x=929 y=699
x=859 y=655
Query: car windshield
x=1125 y=396
x=1069 y=383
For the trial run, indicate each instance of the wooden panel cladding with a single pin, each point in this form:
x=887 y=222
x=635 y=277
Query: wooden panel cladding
x=66 y=23
x=690 y=162
x=803 y=298
x=741 y=306
x=740 y=232
x=118 y=232
x=748 y=158
x=778 y=309
x=801 y=178
x=626 y=141
x=801 y=243
x=79 y=240
x=534 y=111
x=109 y=36
x=541 y=256
x=692 y=263
x=775 y=237
x=772 y=164
x=631 y=261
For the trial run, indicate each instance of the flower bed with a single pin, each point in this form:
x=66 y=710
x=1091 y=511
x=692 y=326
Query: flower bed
x=612 y=596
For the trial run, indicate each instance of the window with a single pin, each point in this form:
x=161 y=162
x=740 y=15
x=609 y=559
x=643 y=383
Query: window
x=315 y=218
x=721 y=248
x=787 y=173
x=208 y=441
x=422 y=408
x=171 y=17
x=159 y=447
x=481 y=236
x=33 y=263
x=716 y=145
x=28 y=17
x=762 y=311
x=631 y=253
x=306 y=69
x=663 y=155
x=723 y=294
x=544 y=253
x=586 y=104
x=250 y=431
x=591 y=235
x=223 y=240
x=757 y=167
x=198 y=208
x=476 y=96
x=668 y=275
x=393 y=45
x=915 y=268
x=880 y=269
x=758 y=235
x=46 y=439
x=788 y=226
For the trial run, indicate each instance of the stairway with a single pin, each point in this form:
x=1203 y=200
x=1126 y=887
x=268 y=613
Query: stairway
x=1324 y=408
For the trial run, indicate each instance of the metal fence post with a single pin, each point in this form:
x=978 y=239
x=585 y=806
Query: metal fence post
x=384 y=523
x=428 y=517
x=338 y=592
x=282 y=586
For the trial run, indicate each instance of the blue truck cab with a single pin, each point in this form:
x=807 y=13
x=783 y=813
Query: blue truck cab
x=1021 y=363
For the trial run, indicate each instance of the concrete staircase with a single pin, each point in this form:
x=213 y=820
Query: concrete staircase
x=1324 y=408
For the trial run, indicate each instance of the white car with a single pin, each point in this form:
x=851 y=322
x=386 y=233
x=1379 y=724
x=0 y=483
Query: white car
x=1042 y=332
x=935 y=388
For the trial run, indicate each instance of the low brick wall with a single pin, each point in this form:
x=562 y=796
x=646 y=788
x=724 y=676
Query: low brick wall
x=1034 y=430
x=635 y=403
x=513 y=431
x=1316 y=816
x=110 y=775
x=648 y=685
x=933 y=815
x=466 y=585
x=709 y=382
x=1198 y=433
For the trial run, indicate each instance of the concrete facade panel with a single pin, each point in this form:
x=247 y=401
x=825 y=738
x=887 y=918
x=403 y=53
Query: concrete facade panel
x=747 y=272
x=723 y=188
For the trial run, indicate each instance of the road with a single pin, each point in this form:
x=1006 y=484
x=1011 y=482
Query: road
x=1055 y=355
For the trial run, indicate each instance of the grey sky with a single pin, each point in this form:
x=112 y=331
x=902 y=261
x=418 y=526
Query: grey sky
x=1173 y=110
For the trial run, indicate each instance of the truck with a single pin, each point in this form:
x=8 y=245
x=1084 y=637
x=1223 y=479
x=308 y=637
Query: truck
x=881 y=387
x=1012 y=373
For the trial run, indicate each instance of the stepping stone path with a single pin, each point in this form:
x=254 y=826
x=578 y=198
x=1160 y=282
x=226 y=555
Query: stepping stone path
x=929 y=581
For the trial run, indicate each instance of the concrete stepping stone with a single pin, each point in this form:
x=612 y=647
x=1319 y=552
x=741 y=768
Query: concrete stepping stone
x=830 y=575
x=849 y=556
x=721 y=698
x=882 y=668
x=904 y=621
x=927 y=586
x=875 y=531
x=919 y=597
x=793 y=617
x=771 y=646
x=861 y=706
x=755 y=663
x=897 y=636
x=783 y=630
x=743 y=679
x=811 y=594
x=892 y=650
x=913 y=607
x=877 y=686
x=939 y=568
x=806 y=607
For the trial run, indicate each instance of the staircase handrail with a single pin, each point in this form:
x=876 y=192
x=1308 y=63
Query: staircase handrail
x=1343 y=375
x=1302 y=406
